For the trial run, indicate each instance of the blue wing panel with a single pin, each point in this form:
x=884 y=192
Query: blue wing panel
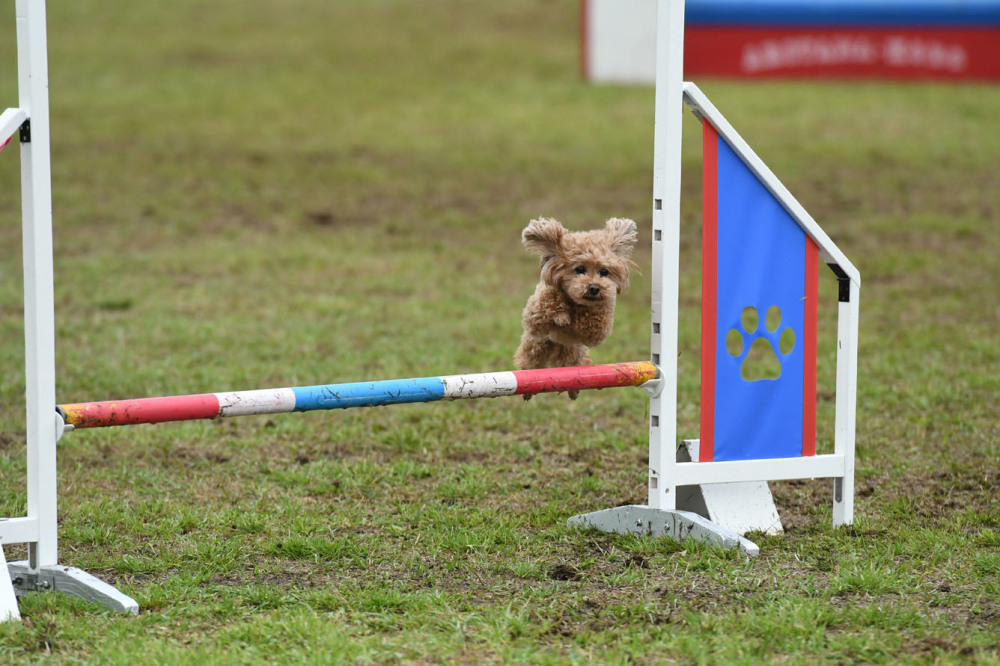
x=761 y=263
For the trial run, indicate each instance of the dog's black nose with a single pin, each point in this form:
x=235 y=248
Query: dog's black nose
x=594 y=290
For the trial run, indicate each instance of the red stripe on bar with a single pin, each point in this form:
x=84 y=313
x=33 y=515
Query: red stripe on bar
x=142 y=410
x=709 y=287
x=582 y=377
x=809 y=349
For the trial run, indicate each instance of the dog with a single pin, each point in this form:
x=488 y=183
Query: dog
x=573 y=307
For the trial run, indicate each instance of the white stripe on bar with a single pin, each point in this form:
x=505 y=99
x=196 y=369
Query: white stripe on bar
x=265 y=401
x=483 y=385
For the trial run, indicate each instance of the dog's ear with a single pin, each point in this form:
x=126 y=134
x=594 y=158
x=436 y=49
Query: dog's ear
x=542 y=237
x=621 y=235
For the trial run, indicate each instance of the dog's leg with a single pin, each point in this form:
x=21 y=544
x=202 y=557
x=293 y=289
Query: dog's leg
x=576 y=355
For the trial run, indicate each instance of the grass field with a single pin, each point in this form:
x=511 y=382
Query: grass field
x=254 y=193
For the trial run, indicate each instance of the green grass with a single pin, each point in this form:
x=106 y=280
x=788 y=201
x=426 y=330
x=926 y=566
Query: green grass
x=257 y=194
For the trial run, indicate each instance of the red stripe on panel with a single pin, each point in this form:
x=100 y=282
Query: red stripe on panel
x=809 y=349
x=709 y=287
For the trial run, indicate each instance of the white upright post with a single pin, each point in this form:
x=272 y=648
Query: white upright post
x=666 y=250
x=847 y=386
x=39 y=302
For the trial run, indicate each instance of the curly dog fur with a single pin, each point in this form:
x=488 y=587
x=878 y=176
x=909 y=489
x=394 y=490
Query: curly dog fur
x=573 y=306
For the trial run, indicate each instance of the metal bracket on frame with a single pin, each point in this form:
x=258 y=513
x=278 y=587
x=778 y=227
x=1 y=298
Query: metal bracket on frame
x=61 y=426
x=654 y=387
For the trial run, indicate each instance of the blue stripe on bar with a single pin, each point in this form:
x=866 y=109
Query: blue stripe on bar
x=368 y=394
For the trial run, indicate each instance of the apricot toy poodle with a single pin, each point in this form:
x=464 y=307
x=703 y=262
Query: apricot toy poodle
x=573 y=306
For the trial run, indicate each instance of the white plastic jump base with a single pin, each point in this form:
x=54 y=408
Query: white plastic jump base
x=71 y=581
x=741 y=506
x=646 y=521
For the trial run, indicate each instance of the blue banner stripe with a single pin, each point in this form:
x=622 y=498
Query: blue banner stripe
x=368 y=394
x=913 y=13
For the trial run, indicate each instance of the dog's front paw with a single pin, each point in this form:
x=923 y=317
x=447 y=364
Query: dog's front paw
x=562 y=319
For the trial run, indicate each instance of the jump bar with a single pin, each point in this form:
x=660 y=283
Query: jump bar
x=359 y=394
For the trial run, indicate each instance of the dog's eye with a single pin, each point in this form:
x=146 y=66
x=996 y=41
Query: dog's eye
x=605 y=272
x=581 y=269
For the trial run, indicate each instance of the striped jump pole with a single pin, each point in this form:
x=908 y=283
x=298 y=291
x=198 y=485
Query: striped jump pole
x=359 y=394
